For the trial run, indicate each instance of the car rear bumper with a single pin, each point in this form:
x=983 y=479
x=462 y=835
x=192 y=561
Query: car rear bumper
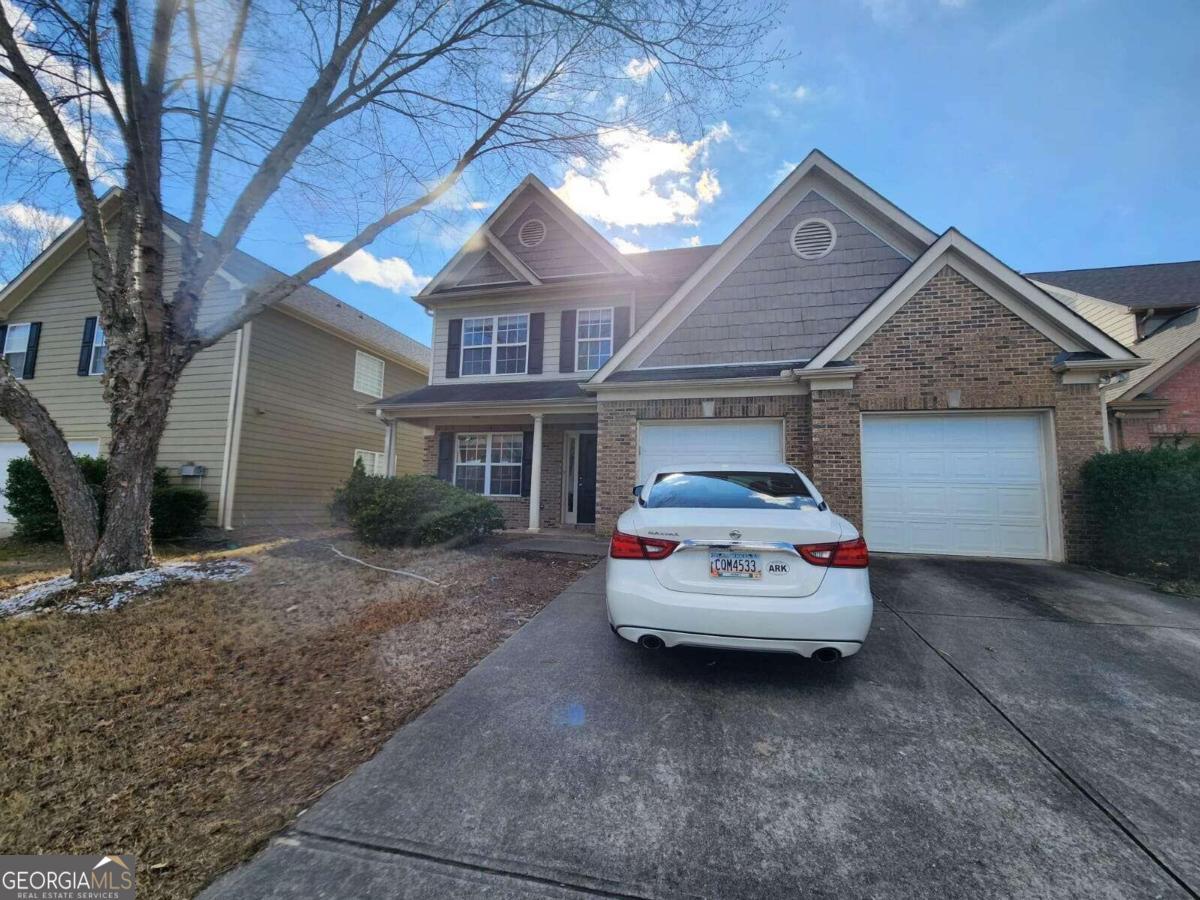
x=837 y=615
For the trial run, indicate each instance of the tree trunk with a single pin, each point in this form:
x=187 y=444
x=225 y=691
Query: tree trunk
x=125 y=544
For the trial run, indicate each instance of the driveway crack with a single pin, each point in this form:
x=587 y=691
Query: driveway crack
x=1090 y=793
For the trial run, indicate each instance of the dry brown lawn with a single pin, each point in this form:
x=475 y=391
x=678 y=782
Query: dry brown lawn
x=192 y=724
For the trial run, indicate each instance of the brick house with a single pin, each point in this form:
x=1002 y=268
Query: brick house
x=1155 y=309
x=938 y=399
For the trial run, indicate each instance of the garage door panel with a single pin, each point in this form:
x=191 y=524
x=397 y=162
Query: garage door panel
x=964 y=484
x=691 y=443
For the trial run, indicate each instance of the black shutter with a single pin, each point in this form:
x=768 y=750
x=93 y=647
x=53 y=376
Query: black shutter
x=537 y=332
x=35 y=335
x=566 y=342
x=454 y=348
x=3 y=335
x=526 y=463
x=85 y=346
x=445 y=470
x=620 y=326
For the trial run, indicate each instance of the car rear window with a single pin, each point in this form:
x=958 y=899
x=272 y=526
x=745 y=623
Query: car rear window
x=729 y=490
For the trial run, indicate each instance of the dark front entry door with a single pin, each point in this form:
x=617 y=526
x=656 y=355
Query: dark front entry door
x=585 y=487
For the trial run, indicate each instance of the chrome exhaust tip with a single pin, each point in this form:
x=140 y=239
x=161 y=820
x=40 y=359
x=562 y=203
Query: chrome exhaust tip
x=650 y=642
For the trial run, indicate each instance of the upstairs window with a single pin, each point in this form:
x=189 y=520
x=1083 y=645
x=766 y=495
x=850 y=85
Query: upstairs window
x=593 y=338
x=99 y=350
x=495 y=345
x=489 y=463
x=368 y=374
x=16 y=345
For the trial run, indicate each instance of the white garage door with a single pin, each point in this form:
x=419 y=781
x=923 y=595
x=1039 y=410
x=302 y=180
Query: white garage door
x=959 y=484
x=662 y=444
x=10 y=450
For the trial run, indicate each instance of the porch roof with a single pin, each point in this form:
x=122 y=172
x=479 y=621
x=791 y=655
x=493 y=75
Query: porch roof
x=491 y=392
x=711 y=372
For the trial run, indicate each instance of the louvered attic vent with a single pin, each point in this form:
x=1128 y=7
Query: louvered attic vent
x=532 y=233
x=813 y=238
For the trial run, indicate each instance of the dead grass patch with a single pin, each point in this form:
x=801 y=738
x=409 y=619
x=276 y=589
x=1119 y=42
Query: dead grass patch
x=189 y=727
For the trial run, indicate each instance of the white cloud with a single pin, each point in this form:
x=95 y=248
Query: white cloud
x=391 y=272
x=625 y=246
x=799 y=93
x=644 y=180
x=30 y=218
x=900 y=12
x=693 y=241
x=480 y=204
x=640 y=69
x=784 y=170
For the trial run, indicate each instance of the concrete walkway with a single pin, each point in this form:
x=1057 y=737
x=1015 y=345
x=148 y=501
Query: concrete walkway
x=1009 y=730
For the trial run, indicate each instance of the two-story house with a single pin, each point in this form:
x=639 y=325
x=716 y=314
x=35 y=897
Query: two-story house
x=267 y=422
x=936 y=397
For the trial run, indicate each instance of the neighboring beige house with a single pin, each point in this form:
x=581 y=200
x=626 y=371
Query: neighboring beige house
x=268 y=422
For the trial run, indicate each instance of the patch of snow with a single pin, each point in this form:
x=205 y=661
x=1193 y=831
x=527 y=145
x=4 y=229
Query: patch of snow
x=41 y=597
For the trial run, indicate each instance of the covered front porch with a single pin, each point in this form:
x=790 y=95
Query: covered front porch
x=535 y=458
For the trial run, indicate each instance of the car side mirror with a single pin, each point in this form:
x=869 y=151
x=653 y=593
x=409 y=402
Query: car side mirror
x=637 y=490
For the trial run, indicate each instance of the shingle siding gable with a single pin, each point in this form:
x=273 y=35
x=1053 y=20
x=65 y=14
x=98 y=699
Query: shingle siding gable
x=775 y=305
x=558 y=255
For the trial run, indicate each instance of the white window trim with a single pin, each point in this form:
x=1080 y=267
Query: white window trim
x=4 y=351
x=98 y=340
x=493 y=346
x=374 y=462
x=359 y=358
x=612 y=318
x=487 y=463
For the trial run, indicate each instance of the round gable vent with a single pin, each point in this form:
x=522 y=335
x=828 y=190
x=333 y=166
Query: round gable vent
x=813 y=238
x=532 y=233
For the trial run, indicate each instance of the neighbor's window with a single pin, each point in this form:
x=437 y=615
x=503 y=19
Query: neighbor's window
x=368 y=374
x=489 y=463
x=495 y=344
x=729 y=490
x=99 y=349
x=593 y=338
x=16 y=342
x=373 y=463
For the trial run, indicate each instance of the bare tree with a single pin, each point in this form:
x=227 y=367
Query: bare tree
x=237 y=103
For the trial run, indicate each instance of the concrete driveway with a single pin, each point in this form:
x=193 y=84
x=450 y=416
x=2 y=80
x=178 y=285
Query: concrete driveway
x=1009 y=730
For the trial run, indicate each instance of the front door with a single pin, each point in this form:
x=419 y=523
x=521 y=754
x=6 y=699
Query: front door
x=585 y=486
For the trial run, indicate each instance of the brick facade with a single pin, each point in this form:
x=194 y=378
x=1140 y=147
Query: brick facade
x=952 y=346
x=1179 y=421
x=616 y=453
x=516 y=509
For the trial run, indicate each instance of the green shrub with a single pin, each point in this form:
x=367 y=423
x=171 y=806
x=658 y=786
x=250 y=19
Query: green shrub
x=177 y=511
x=415 y=511
x=1144 y=508
x=351 y=496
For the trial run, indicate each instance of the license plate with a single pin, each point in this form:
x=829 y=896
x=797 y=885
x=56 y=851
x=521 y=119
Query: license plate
x=726 y=564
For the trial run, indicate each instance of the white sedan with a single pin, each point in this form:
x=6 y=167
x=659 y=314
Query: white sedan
x=738 y=556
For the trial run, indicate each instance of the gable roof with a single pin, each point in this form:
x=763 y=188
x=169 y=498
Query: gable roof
x=1154 y=286
x=1047 y=314
x=486 y=236
x=241 y=270
x=816 y=173
x=1168 y=349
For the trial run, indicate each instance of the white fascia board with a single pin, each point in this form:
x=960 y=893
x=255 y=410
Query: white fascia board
x=816 y=173
x=510 y=260
x=583 y=230
x=698 y=387
x=234 y=283
x=1037 y=308
x=478 y=409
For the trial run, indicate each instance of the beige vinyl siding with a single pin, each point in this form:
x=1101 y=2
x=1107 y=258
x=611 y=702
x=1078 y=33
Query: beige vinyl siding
x=553 y=310
x=301 y=423
x=196 y=426
x=1115 y=319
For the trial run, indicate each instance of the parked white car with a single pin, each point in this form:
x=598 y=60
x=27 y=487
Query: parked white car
x=745 y=557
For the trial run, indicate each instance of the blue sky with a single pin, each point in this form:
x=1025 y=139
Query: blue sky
x=1058 y=134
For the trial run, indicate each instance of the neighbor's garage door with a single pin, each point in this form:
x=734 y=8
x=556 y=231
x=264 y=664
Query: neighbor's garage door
x=662 y=444
x=959 y=484
x=10 y=450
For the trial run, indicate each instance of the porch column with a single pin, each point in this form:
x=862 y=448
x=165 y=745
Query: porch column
x=535 y=476
x=389 y=449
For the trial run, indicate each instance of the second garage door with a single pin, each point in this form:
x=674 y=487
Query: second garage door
x=748 y=441
x=960 y=484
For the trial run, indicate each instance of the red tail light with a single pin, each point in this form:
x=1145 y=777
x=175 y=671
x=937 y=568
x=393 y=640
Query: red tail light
x=842 y=555
x=630 y=546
